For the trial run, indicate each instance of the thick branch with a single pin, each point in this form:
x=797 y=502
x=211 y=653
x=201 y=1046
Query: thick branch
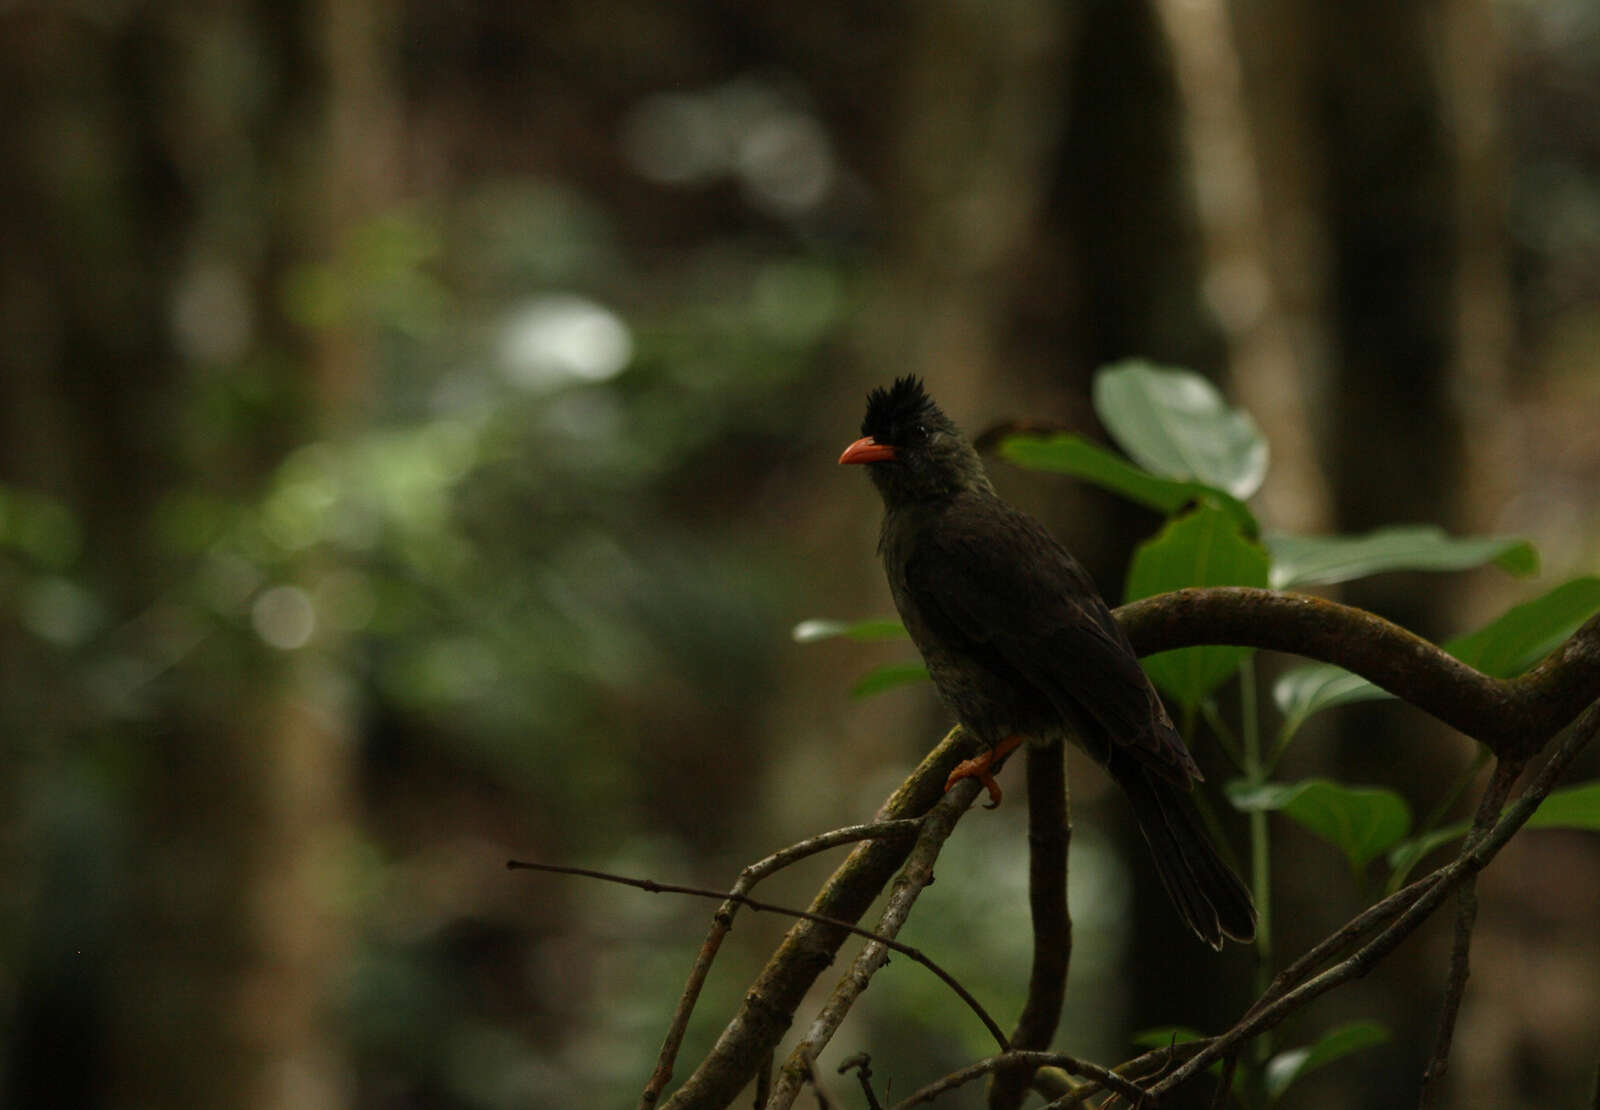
x=723 y=921
x=808 y=948
x=910 y=883
x=1514 y=718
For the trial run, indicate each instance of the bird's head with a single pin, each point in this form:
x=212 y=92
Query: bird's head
x=912 y=450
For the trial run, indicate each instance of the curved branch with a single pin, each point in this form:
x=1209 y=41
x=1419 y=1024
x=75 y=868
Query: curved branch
x=1513 y=718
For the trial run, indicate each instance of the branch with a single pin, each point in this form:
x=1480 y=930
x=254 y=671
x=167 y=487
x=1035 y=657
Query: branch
x=1141 y=1067
x=1105 y=1077
x=809 y=947
x=1489 y=806
x=769 y=907
x=1049 y=830
x=722 y=922
x=910 y=883
x=1430 y=892
x=1512 y=717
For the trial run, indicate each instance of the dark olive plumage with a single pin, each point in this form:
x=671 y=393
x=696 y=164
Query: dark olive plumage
x=1019 y=641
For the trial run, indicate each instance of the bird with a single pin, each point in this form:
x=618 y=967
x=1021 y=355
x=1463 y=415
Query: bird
x=1022 y=647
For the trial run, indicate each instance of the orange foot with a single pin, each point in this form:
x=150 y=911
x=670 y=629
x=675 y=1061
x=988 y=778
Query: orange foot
x=978 y=768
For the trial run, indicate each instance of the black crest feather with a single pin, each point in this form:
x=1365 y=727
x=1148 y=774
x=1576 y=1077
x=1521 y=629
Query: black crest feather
x=891 y=410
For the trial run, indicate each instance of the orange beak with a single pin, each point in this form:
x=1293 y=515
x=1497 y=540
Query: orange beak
x=866 y=450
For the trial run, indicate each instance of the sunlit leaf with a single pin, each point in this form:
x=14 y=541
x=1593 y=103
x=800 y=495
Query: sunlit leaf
x=876 y=628
x=1203 y=547
x=1287 y=1067
x=887 y=677
x=1174 y=423
x=1064 y=453
x=1321 y=560
x=1361 y=821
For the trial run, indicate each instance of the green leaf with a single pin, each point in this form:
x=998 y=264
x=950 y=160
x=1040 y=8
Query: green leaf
x=876 y=628
x=1203 y=547
x=1174 y=423
x=1503 y=648
x=887 y=677
x=1526 y=633
x=1287 y=1067
x=1408 y=853
x=1574 y=807
x=1361 y=821
x=1321 y=560
x=1311 y=688
x=1065 y=453
x=1163 y=1036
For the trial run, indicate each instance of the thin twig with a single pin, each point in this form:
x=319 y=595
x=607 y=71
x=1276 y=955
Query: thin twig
x=1138 y=1069
x=907 y=886
x=722 y=922
x=767 y=1009
x=1437 y=887
x=861 y=1063
x=1105 y=1077
x=1049 y=831
x=1219 y=1094
x=809 y=1074
x=769 y=907
x=1489 y=806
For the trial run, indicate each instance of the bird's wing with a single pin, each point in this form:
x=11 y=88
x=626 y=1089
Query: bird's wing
x=992 y=579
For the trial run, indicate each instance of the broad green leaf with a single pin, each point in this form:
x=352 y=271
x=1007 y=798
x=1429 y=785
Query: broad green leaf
x=1503 y=648
x=1361 y=821
x=1174 y=423
x=1064 y=453
x=1286 y=1067
x=1575 y=807
x=1321 y=560
x=887 y=677
x=1203 y=547
x=1526 y=633
x=876 y=628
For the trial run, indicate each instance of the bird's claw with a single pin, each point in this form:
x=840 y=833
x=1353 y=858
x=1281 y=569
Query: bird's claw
x=977 y=768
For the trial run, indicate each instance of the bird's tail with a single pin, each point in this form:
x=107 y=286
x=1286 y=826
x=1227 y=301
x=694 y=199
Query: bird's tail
x=1206 y=892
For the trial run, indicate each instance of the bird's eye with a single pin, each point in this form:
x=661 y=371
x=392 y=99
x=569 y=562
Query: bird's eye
x=922 y=431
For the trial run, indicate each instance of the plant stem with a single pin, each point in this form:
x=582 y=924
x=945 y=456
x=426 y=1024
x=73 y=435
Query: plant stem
x=1255 y=773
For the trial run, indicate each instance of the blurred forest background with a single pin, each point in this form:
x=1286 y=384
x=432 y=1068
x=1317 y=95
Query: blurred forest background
x=417 y=439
